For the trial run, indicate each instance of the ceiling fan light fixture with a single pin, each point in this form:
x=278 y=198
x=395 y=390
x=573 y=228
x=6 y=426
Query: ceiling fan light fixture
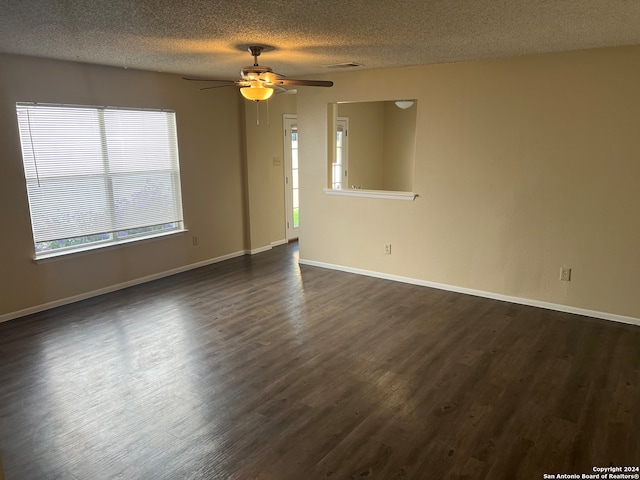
x=256 y=93
x=258 y=82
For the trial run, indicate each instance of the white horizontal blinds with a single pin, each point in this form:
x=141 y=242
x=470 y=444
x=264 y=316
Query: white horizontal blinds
x=64 y=169
x=142 y=156
x=93 y=170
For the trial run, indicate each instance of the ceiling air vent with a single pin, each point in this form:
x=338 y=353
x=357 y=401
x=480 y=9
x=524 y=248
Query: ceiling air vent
x=343 y=65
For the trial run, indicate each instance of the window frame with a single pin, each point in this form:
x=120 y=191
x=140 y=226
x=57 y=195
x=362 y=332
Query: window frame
x=110 y=172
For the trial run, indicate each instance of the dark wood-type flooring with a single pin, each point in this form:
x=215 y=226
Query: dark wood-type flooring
x=257 y=368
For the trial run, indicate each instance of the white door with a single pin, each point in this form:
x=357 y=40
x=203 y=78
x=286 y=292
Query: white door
x=292 y=199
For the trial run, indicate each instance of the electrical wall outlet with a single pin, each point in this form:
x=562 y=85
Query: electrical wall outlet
x=194 y=241
x=565 y=274
x=387 y=249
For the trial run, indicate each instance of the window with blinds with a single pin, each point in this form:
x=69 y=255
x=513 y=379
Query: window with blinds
x=99 y=175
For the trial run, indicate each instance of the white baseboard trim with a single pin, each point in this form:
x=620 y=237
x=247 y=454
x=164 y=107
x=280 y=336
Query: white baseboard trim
x=478 y=293
x=267 y=247
x=277 y=243
x=112 y=288
x=260 y=249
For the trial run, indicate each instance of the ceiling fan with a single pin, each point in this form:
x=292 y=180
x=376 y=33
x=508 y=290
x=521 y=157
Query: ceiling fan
x=259 y=82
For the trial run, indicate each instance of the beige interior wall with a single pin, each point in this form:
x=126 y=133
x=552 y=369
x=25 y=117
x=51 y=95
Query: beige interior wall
x=522 y=166
x=210 y=126
x=265 y=169
x=399 y=147
x=366 y=143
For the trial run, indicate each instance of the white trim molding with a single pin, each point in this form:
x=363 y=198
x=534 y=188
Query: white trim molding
x=255 y=251
x=266 y=248
x=358 y=192
x=478 y=293
x=277 y=243
x=112 y=288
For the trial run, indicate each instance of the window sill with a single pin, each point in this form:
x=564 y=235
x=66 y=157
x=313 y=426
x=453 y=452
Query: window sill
x=102 y=246
x=356 y=192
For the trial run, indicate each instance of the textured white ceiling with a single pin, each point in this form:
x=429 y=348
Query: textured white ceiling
x=204 y=38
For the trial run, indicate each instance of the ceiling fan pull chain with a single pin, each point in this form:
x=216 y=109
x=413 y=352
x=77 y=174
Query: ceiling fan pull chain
x=257 y=113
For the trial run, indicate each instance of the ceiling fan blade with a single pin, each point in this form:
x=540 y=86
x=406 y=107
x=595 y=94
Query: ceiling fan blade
x=218 y=86
x=304 y=83
x=208 y=80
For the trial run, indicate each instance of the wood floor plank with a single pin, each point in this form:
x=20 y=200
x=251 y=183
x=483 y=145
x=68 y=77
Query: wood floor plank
x=258 y=368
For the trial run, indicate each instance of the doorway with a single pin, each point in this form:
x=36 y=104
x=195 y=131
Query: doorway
x=291 y=184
